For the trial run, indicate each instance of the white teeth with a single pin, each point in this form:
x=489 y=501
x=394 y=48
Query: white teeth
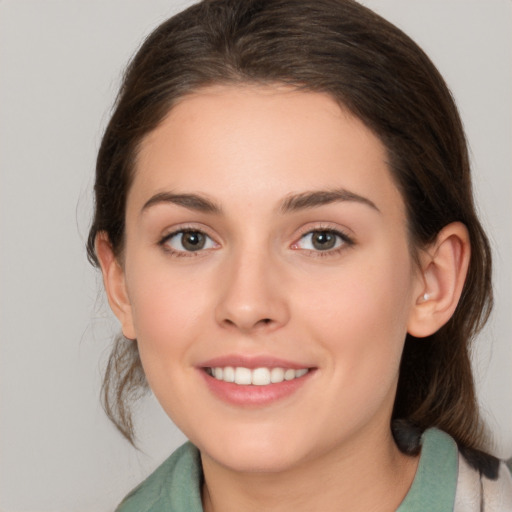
x=229 y=374
x=260 y=377
x=243 y=376
x=276 y=375
x=257 y=377
x=289 y=374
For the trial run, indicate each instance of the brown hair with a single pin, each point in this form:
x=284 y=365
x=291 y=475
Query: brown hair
x=372 y=68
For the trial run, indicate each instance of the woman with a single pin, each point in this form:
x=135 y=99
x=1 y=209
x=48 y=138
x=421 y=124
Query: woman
x=286 y=230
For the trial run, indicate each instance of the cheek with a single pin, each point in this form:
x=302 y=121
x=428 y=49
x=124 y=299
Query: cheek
x=167 y=314
x=360 y=315
x=369 y=293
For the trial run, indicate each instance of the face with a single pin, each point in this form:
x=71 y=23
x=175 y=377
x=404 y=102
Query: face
x=267 y=276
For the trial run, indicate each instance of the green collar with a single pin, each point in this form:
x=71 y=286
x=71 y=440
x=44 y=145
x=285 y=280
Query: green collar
x=435 y=483
x=176 y=485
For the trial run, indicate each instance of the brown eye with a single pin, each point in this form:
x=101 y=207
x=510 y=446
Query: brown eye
x=188 y=241
x=193 y=240
x=323 y=240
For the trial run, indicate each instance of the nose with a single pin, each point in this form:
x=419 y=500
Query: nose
x=252 y=294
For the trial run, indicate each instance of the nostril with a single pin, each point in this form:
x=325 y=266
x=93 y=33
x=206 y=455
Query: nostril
x=249 y=325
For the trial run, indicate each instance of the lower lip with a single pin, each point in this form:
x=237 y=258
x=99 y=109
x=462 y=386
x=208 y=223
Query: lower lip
x=254 y=396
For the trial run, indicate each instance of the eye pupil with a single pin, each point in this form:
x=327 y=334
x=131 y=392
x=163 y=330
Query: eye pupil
x=323 y=240
x=193 y=240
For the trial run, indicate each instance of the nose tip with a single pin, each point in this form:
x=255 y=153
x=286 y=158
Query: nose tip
x=252 y=298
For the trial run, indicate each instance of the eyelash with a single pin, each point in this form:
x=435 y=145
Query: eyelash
x=346 y=242
x=178 y=253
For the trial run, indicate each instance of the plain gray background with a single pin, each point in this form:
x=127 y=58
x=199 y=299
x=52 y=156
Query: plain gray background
x=60 y=63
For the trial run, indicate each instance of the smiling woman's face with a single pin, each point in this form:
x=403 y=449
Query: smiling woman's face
x=267 y=241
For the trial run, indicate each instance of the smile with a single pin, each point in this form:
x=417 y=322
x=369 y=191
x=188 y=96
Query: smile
x=257 y=376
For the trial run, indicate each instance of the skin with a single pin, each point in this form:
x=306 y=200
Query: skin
x=260 y=288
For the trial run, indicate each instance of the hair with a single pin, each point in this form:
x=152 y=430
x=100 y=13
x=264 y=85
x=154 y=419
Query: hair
x=381 y=76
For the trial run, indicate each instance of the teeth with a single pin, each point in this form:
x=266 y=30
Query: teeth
x=228 y=374
x=289 y=374
x=243 y=376
x=276 y=375
x=257 y=377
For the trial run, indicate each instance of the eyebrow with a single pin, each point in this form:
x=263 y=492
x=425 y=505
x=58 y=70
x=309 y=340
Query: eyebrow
x=190 y=201
x=297 y=202
x=318 y=198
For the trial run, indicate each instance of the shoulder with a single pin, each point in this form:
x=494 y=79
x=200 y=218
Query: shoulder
x=174 y=485
x=476 y=491
x=448 y=479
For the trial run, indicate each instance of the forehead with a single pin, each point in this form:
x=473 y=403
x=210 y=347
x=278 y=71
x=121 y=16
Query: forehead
x=261 y=142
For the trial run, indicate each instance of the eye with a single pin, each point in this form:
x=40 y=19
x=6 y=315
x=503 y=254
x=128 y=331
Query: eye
x=188 y=240
x=322 y=240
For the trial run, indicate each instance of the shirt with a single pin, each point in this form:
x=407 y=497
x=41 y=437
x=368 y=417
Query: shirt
x=443 y=483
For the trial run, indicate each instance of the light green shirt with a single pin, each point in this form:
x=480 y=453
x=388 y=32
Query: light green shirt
x=175 y=486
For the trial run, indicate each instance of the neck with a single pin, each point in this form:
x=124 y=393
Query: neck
x=367 y=477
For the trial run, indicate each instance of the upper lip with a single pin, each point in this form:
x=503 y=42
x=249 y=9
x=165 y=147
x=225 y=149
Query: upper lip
x=252 y=362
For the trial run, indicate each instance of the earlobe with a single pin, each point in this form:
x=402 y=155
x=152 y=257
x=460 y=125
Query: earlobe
x=444 y=265
x=115 y=285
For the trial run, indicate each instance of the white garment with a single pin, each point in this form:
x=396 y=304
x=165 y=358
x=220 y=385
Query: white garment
x=476 y=493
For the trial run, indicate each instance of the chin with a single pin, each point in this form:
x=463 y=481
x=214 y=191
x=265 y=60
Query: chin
x=259 y=461
x=255 y=452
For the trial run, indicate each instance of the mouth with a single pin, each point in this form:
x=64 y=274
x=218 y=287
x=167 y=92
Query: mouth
x=263 y=376
x=255 y=381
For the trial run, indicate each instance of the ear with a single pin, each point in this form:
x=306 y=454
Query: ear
x=115 y=285
x=443 y=268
